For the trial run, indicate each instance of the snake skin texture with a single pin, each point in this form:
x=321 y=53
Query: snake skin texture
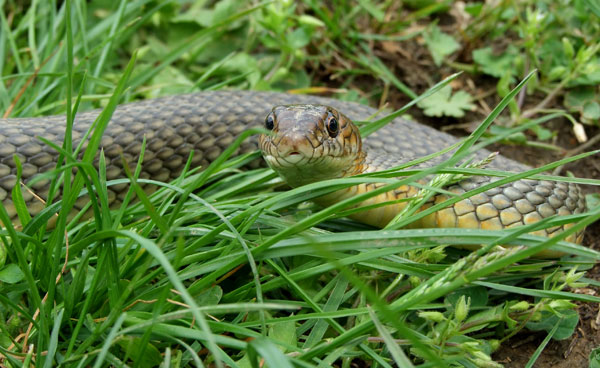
x=208 y=122
x=304 y=147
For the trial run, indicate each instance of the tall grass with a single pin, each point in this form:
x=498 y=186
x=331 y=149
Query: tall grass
x=222 y=267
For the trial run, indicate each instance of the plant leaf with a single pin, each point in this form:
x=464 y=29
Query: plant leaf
x=549 y=320
x=11 y=274
x=494 y=64
x=284 y=332
x=595 y=358
x=132 y=346
x=440 y=44
x=444 y=103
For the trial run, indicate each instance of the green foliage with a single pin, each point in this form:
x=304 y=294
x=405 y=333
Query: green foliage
x=440 y=44
x=444 y=103
x=595 y=358
x=592 y=200
x=11 y=274
x=261 y=277
x=559 y=40
x=567 y=322
x=284 y=334
x=2 y=255
x=133 y=347
x=497 y=64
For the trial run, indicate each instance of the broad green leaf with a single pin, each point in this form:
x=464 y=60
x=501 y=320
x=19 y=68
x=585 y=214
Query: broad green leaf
x=440 y=44
x=205 y=17
x=473 y=9
x=590 y=76
x=542 y=133
x=549 y=320
x=11 y=274
x=595 y=358
x=298 y=38
x=284 y=332
x=444 y=103
x=496 y=64
x=591 y=110
x=593 y=200
x=211 y=296
x=577 y=97
x=244 y=362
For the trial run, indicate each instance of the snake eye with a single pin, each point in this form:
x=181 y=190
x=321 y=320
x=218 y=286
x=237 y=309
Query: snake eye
x=333 y=127
x=269 y=122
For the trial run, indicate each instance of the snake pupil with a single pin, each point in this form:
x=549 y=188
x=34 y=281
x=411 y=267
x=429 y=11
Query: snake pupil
x=332 y=127
x=269 y=123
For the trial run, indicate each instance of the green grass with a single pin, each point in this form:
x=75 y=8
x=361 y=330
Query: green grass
x=223 y=267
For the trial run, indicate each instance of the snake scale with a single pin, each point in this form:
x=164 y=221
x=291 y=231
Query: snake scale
x=208 y=122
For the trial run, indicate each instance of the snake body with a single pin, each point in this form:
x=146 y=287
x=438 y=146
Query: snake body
x=208 y=122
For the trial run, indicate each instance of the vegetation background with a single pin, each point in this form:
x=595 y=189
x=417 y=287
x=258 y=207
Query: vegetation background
x=165 y=281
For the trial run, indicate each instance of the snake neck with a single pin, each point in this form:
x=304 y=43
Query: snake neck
x=359 y=165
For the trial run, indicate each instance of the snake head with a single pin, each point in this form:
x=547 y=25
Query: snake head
x=309 y=143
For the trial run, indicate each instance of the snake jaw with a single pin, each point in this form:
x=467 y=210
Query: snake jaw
x=310 y=143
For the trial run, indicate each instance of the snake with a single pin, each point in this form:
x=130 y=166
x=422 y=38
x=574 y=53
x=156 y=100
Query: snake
x=313 y=138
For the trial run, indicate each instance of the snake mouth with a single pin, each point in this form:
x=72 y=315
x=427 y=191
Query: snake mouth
x=294 y=158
